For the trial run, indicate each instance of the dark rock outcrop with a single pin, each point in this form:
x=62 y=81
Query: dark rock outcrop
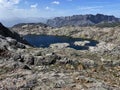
x=5 y=32
x=82 y=20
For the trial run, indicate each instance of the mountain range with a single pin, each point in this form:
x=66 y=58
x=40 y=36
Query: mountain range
x=75 y=20
x=16 y=20
x=82 y=20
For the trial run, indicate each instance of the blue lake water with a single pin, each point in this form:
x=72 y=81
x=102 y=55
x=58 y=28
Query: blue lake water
x=46 y=40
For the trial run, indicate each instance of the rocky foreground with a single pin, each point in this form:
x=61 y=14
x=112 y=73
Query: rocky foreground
x=23 y=67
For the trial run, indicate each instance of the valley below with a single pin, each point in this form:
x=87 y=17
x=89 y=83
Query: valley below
x=58 y=66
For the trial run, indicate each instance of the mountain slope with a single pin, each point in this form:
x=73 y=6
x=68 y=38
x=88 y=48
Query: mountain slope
x=8 y=33
x=30 y=28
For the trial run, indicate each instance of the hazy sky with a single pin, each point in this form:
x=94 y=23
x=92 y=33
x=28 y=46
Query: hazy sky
x=11 y=9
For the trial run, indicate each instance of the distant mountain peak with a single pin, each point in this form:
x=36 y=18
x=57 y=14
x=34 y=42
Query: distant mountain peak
x=82 y=20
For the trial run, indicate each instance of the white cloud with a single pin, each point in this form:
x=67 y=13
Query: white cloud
x=8 y=8
x=9 y=3
x=49 y=8
x=34 y=5
x=56 y=2
x=14 y=1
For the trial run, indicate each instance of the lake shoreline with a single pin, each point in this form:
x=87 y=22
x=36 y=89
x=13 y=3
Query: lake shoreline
x=47 y=40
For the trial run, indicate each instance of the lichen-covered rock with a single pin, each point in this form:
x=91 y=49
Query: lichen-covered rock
x=81 y=43
x=102 y=46
x=59 y=45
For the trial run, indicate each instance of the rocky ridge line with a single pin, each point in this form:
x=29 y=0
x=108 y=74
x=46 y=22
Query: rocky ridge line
x=82 y=20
